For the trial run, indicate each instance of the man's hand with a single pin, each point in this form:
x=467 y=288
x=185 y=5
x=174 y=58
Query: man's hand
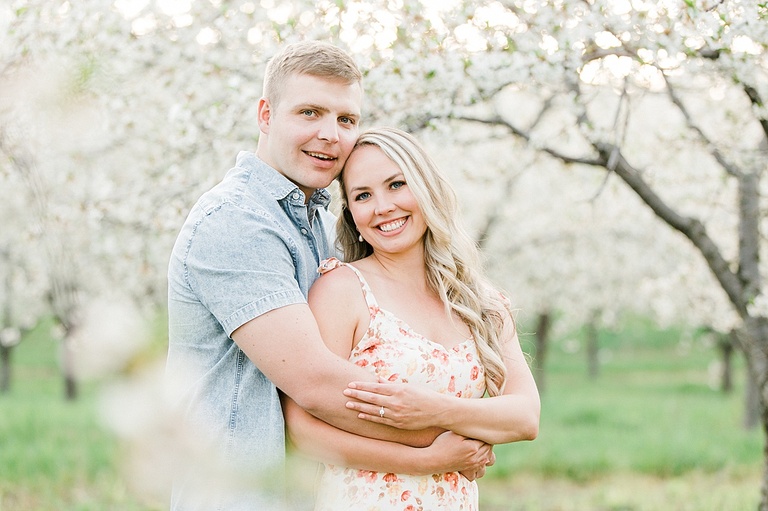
x=455 y=453
x=477 y=474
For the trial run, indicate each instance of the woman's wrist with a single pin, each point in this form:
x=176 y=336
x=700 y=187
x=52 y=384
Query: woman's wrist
x=447 y=409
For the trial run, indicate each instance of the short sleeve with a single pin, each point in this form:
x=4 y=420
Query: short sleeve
x=241 y=264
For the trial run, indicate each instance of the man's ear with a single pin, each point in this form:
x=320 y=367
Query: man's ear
x=264 y=115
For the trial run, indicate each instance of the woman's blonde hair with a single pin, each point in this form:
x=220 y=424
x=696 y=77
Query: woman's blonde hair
x=451 y=257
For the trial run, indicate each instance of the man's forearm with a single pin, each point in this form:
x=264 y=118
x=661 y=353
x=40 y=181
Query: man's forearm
x=322 y=442
x=326 y=401
x=286 y=346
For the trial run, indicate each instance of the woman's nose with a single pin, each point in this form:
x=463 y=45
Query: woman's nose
x=384 y=205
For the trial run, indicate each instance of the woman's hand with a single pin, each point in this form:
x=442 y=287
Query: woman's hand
x=400 y=405
x=410 y=406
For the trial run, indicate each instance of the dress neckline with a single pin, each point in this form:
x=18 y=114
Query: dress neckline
x=409 y=329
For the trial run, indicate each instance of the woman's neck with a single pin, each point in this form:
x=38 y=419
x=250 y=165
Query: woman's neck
x=407 y=268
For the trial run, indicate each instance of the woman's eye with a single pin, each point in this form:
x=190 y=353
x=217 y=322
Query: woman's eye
x=362 y=196
x=397 y=184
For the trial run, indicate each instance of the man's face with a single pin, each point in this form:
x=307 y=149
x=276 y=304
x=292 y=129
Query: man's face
x=308 y=135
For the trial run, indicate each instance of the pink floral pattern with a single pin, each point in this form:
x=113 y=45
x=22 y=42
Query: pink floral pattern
x=393 y=351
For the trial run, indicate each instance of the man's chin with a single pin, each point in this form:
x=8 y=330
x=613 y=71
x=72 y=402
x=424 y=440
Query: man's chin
x=326 y=180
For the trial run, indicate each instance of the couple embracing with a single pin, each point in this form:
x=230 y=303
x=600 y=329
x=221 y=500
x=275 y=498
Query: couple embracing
x=373 y=342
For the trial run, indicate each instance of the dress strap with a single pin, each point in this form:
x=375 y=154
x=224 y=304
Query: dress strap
x=332 y=263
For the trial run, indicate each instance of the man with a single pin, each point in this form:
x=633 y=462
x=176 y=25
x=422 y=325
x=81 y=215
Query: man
x=239 y=273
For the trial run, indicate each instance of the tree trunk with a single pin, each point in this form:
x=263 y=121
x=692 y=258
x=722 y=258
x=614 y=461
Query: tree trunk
x=5 y=368
x=725 y=343
x=764 y=488
x=756 y=336
x=68 y=369
x=751 y=399
x=743 y=341
x=5 y=322
x=542 y=343
x=593 y=347
x=64 y=303
x=70 y=387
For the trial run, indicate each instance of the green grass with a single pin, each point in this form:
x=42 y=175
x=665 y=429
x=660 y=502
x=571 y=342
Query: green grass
x=651 y=413
x=649 y=433
x=54 y=454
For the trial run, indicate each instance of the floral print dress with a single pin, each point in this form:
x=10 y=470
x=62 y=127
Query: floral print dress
x=394 y=352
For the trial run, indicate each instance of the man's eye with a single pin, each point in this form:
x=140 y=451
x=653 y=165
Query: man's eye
x=346 y=120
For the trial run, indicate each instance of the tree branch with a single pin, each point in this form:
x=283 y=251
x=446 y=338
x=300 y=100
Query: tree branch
x=691 y=228
x=754 y=97
x=712 y=148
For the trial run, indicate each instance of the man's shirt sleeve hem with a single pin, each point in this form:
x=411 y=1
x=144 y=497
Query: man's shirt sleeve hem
x=262 y=306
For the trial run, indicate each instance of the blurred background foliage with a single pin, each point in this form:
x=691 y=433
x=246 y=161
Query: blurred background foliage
x=609 y=156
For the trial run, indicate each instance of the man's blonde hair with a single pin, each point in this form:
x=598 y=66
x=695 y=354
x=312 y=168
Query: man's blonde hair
x=315 y=58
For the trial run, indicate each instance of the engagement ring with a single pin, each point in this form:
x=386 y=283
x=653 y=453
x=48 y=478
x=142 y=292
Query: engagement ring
x=381 y=412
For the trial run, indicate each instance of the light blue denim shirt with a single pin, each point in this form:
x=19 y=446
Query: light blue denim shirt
x=250 y=245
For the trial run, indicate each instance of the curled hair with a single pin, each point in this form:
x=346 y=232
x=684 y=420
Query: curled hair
x=451 y=257
x=316 y=58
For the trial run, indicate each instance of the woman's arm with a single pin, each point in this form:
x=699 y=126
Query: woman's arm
x=342 y=316
x=510 y=417
x=337 y=303
x=322 y=442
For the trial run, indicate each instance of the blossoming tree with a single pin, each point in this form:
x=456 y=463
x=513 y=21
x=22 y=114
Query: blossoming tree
x=591 y=114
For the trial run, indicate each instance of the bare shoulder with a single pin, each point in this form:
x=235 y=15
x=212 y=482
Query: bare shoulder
x=338 y=282
x=337 y=301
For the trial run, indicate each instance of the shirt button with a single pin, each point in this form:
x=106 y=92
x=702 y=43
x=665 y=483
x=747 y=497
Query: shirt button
x=303 y=231
x=295 y=196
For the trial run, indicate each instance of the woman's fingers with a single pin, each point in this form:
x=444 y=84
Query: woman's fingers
x=365 y=396
x=372 y=407
x=371 y=412
x=367 y=386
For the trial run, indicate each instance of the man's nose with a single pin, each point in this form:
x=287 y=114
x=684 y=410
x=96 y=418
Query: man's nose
x=329 y=130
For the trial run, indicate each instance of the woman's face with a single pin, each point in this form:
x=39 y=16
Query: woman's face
x=385 y=211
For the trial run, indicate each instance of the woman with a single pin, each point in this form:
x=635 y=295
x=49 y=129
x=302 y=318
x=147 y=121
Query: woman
x=427 y=323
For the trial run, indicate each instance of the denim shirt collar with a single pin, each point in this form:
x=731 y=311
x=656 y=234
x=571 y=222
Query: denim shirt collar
x=282 y=188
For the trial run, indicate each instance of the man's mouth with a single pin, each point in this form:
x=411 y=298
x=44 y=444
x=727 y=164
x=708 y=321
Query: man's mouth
x=319 y=156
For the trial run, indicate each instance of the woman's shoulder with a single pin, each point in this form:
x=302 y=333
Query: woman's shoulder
x=335 y=276
x=328 y=265
x=338 y=291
